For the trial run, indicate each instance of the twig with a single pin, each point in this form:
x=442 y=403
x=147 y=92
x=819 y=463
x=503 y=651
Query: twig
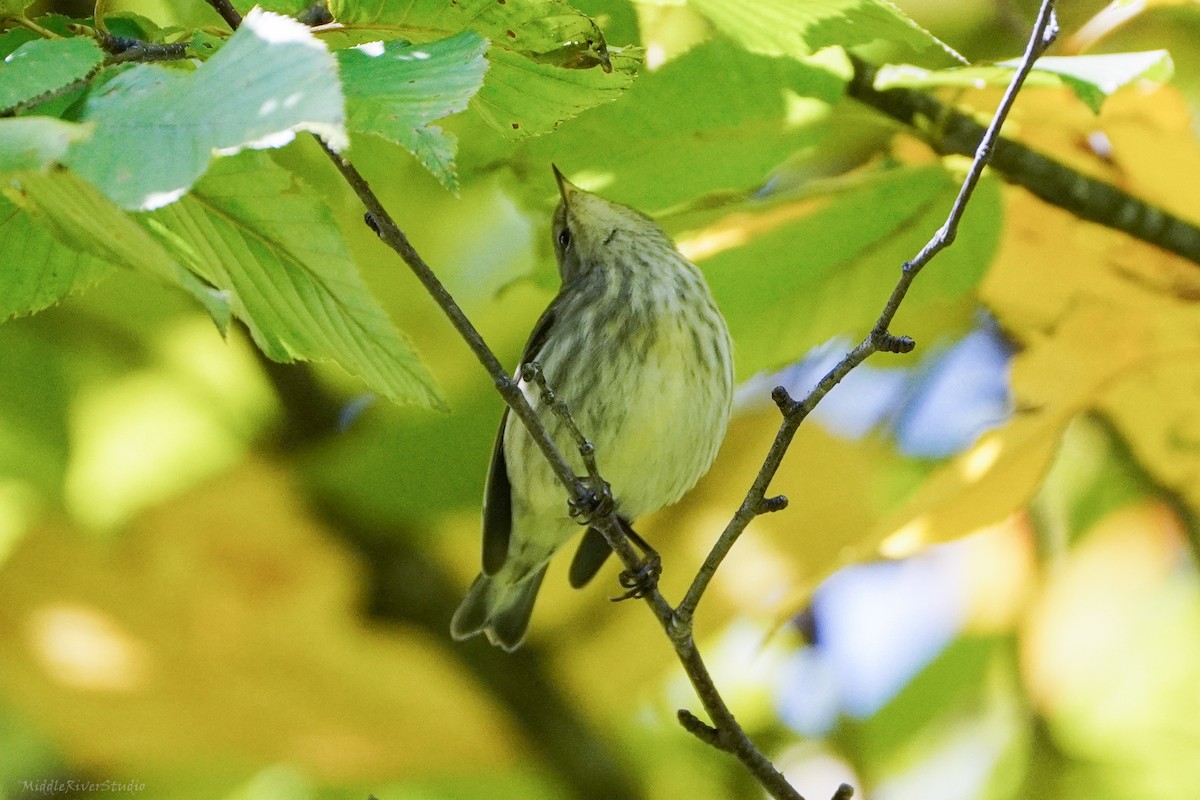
x=25 y=22
x=125 y=48
x=878 y=339
x=228 y=13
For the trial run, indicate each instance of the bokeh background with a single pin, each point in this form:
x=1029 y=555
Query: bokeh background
x=222 y=577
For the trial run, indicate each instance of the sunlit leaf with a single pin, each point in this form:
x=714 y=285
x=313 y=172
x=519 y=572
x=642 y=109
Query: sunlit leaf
x=681 y=131
x=256 y=232
x=81 y=218
x=39 y=270
x=802 y=27
x=396 y=91
x=34 y=143
x=43 y=65
x=271 y=80
x=548 y=61
x=792 y=273
x=1092 y=78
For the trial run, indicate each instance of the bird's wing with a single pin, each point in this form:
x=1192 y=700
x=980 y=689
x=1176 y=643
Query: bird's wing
x=497 y=494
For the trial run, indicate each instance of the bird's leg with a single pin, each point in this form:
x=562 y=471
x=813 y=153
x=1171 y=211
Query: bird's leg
x=637 y=582
x=596 y=501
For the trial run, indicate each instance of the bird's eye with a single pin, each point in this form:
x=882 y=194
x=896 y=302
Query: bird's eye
x=564 y=238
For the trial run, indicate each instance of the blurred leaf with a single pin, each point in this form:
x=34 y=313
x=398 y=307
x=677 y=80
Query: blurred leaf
x=950 y=685
x=39 y=270
x=1092 y=78
x=548 y=62
x=398 y=90
x=799 y=28
x=43 y=65
x=285 y=82
x=789 y=274
x=222 y=634
x=687 y=128
x=33 y=410
x=258 y=233
x=35 y=143
x=13 y=8
x=1053 y=381
x=1093 y=475
x=837 y=489
x=84 y=220
x=1109 y=659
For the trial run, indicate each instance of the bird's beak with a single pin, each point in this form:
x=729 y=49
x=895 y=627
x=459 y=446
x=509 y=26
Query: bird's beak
x=565 y=187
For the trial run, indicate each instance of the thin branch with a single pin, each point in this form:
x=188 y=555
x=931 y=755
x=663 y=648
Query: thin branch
x=878 y=339
x=228 y=13
x=124 y=49
x=25 y=22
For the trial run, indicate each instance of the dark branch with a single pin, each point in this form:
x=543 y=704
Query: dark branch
x=228 y=13
x=1087 y=198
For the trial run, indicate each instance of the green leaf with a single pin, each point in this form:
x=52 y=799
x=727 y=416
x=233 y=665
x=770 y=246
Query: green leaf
x=34 y=143
x=38 y=269
x=396 y=90
x=157 y=128
x=525 y=97
x=81 y=218
x=1092 y=78
x=715 y=118
x=44 y=65
x=34 y=443
x=790 y=273
x=799 y=28
x=13 y=8
x=548 y=60
x=254 y=230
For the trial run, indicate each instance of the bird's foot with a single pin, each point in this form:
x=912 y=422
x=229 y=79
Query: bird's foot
x=596 y=502
x=643 y=579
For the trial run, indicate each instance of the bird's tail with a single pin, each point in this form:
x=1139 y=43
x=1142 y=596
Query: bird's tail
x=499 y=608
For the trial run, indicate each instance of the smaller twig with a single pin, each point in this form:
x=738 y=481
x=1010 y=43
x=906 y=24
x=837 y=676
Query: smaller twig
x=228 y=13
x=126 y=48
x=844 y=792
x=700 y=729
x=98 y=14
x=45 y=33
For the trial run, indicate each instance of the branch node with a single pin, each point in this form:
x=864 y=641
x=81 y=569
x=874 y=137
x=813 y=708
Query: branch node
x=769 y=505
x=680 y=629
x=783 y=399
x=889 y=343
x=372 y=223
x=844 y=792
x=701 y=729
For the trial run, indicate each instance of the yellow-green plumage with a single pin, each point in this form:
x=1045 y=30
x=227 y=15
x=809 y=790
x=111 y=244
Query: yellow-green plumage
x=635 y=347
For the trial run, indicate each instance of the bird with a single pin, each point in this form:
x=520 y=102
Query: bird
x=636 y=350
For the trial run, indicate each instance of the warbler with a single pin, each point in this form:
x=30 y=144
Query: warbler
x=634 y=346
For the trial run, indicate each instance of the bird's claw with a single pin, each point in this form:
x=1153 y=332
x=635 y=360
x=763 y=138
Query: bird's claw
x=593 y=504
x=639 y=582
